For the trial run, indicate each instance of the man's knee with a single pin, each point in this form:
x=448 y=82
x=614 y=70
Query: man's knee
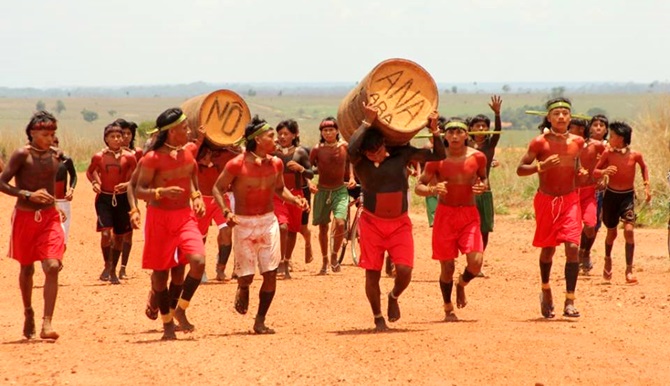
x=51 y=267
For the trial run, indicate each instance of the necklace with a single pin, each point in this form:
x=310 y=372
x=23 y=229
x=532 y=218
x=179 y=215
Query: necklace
x=331 y=144
x=286 y=150
x=38 y=150
x=563 y=135
x=117 y=153
x=258 y=160
x=622 y=150
x=174 y=150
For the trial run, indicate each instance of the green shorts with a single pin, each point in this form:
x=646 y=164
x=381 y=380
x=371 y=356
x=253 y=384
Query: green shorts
x=327 y=201
x=485 y=208
x=431 y=206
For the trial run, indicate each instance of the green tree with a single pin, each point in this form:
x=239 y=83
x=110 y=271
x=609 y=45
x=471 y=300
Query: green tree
x=251 y=92
x=454 y=90
x=60 y=107
x=40 y=105
x=111 y=113
x=557 y=92
x=88 y=115
x=595 y=111
x=506 y=88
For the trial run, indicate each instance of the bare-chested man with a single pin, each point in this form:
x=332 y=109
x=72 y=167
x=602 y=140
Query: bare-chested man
x=168 y=181
x=330 y=157
x=556 y=203
x=37 y=234
x=255 y=177
x=619 y=163
x=297 y=168
x=66 y=181
x=384 y=224
x=460 y=177
x=109 y=172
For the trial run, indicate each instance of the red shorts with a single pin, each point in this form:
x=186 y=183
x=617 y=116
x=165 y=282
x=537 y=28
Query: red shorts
x=379 y=235
x=588 y=205
x=288 y=213
x=36 y=236
x=165 y=232
x=557 y=219
x=212 y=213
x=456 y=228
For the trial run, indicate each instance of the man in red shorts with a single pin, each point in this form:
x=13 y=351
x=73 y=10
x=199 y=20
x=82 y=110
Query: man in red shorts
x=255 y=177
x=556 y=203
x=37 y=234
x=384 y=224
x=168 y=181
x=297 y=168
x=109 y=172
x=459 y=178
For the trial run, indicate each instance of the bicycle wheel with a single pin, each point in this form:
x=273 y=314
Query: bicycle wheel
x=354 y=241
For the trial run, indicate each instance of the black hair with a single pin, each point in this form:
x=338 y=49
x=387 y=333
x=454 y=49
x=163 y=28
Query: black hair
x=622 y=129
x=554 y=100
x=321 y=127
x=604 y=120
x=479 y=118
x=292 y=126
x=167 y=117
x=450 y=120
x=581 y=123
x=441 y=121
x=132 y=126
x=255 y=124
x=373 y=139
x=41 y=120
x=109 y=128
x=122 y=123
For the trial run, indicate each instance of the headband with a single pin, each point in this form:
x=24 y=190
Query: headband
x=179 y=120
x=559 y=104
x=328 y=123
x=456 y=125
x=259 y=131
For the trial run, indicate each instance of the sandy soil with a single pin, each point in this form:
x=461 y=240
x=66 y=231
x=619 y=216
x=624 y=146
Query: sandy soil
x=324 y=324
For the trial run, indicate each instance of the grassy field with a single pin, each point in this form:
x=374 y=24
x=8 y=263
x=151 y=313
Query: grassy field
x=648 y=113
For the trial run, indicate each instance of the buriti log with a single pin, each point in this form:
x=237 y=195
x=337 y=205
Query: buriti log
x=222 y=113
x=404 y=94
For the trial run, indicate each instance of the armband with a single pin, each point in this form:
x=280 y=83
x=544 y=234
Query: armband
x=157 y=193
x=195 y=195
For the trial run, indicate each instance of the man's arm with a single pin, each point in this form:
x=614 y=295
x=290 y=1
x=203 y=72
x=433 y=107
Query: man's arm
x=220 y=187
x=645 y=176
x=438 y=152
x=17 y=160
x=496 y=104
x=144 y=179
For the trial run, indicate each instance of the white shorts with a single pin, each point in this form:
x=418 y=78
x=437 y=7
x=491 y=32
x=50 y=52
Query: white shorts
x=256 y=241
x=64 y=205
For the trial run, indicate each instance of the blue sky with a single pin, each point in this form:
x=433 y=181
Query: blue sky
x=146 y=42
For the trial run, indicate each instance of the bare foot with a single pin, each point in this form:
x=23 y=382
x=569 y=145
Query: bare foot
x=180 y=316
x=461 y=301
x=308 y=254
x=122 y=273
x=449 y=315
x=104 y=276
x=630 y=278
x=607 y=269
x=380 y=324
x=113 y=279
x=151 y=309
x=547 y=303
x=242 y=300
x=168 y=331
x=260 y=327
x=393 y=308
x=287 y=271
x=47 y=330
x=29 y=324
x=324 y=268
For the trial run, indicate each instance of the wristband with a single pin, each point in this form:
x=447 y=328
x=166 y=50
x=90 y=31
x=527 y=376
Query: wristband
x=157 y=193
x=133 y=211
x=539 y=167
x=226 y=212
x=195 y=194
x=646 y=183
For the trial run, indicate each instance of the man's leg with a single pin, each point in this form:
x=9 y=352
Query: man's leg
x=106 y=246
x=125 y=254
x=177 y=275
x=265 y=296
x=51 y=267
x=26 y=285
x=307 y=235
x=290 y=246
x=338 y=236
x=191 y=283
x=571 y=273
x=402 y=280
x=587 y=240
x=474 y=266
x=225 y=241
x=546 y=298
x=609 y=243
x=283 y=240
x=242 y=294
x=323 y=243
x=373 y=292
x=629 y=236
x=447 y=268
x=117 y=248
x=159 y=286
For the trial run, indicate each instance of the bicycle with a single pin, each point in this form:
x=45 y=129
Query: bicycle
x=351 y=235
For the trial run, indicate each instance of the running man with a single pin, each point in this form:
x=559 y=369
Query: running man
x=64 y=191
x=37 y=234
x=109 y=172
x=255 y=177
x=557 y=214
x=384 y=224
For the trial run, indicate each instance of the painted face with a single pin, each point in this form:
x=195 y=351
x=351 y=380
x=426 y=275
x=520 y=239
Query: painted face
x=114 y=140
x=559 y=119
x=180 y=134
x=285 y=137
x=43 y=139
x=127 y=137
x=598 y=130
x=616 y=141
x=576 y=130
x=266 y=141
x=479 y=126
x=329 y=134
x=377 y=156
x=456 y=138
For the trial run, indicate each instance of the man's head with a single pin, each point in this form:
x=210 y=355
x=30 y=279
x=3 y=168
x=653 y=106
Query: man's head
x=479 y=122
x=620 y=134
x=579 y=127
x=598 y=127
x=170 y=124
x=456 y=133
x=259 y=135
x=288 y=133
x=41 y=120
x=113 y=136
x=373 y=145
x=329 y=130
x=558 y=113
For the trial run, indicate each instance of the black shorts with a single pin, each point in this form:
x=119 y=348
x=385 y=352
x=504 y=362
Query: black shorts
x=111 y=216
x=308 y=196
x=617 y=206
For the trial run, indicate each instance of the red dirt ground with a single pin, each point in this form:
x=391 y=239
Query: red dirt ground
x=324 y=323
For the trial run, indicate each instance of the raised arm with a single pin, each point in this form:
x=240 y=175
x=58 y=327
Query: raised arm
x=495 y=105
x=438 y=151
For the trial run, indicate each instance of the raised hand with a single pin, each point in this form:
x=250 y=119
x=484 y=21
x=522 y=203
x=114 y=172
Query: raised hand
x=496 y=103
